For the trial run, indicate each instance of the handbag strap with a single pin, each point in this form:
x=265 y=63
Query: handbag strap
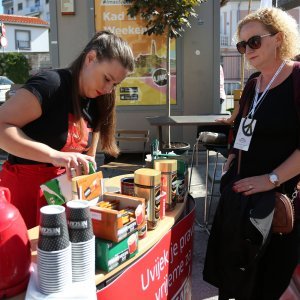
x=245 y=111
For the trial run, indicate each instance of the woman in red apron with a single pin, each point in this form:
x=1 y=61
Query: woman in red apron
x=55 y=121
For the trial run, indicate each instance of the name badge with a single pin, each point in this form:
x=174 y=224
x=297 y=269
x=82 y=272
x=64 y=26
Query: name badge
x=244 y=135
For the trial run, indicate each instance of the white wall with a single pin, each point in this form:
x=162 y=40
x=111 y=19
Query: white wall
x=39 y=38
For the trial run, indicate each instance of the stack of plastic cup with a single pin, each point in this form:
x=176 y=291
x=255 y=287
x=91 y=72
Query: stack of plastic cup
x=82 y=240
x=54 y=264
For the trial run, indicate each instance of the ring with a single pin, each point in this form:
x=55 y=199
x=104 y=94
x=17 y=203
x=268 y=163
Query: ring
x=250 y=187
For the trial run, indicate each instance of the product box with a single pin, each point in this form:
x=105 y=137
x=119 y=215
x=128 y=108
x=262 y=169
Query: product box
x=115 y=223
x=110 y=255
x=57 y=190
x=87 y=187
x=60 y=189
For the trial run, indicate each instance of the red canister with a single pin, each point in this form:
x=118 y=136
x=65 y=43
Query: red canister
x=15 y=253
x=127 y=186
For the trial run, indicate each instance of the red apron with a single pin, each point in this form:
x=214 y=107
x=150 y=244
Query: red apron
x=24 y=182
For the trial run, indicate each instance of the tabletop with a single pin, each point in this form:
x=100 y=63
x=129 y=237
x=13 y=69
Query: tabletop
x=145 y=244
x=207 y=119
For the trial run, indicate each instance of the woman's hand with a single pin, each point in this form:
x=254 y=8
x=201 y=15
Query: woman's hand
x=68 y=160
x=227 y=121
x=253 y=185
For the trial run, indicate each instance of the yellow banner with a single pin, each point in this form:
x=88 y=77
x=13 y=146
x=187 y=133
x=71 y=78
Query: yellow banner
x=147 y=85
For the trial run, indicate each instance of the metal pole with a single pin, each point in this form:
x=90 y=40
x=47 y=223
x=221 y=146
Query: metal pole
x=249 y=6
x=243 y=55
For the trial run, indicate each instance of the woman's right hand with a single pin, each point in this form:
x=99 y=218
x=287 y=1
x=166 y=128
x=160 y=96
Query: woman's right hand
x=227 y=121
x=70 y=160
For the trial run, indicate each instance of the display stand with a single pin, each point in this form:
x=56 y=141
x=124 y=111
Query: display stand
x=164 y=251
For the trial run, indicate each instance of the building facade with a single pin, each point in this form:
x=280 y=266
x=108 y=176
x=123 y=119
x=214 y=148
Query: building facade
x=33 y=8
x=27 y=23
x=230 y=15
x=197 y=61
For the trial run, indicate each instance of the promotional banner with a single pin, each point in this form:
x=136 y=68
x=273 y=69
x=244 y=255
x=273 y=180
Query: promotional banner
x=164 y=272
x=147 y=85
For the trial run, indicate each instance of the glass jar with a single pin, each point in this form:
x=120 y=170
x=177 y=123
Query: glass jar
x=147 y=186
x=168 y=168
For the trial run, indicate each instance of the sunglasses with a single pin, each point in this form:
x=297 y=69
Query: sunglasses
x=254 y=43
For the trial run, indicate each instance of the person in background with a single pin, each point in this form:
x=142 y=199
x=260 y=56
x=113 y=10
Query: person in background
x=54 y=122
x=225 y=120
x=269 y=38
x=230 y=120
x=222 y=90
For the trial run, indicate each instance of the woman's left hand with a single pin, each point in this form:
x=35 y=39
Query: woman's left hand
x=253 y=185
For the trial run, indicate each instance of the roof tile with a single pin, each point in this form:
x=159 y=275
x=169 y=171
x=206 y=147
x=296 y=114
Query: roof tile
x=22 y=19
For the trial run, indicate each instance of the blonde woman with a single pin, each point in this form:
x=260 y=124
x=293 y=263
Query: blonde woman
x=252 y=264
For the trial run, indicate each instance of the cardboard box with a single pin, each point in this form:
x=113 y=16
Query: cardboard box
x=60 y=189
x=87 y=187
x=109 y=224
x=110 y=255
x=57 y=190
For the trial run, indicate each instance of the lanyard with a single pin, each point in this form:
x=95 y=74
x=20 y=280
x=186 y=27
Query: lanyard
x=257 y=101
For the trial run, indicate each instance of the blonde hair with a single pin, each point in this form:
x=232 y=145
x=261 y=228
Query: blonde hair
x=276 y=20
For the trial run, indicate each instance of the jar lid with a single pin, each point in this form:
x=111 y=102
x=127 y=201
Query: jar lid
x=166 y=165
x=148 y=177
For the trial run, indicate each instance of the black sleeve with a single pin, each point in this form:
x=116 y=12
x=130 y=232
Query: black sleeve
x=44 y=86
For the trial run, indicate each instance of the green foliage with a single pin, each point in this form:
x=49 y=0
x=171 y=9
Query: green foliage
x=15 y=66
x=164 y=16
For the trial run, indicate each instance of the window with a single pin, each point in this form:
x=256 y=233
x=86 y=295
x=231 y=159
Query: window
x=22 y=38
x=20 y=6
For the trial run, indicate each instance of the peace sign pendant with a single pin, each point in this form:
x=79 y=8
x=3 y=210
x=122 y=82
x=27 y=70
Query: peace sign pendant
x=244 y=134
x=248 y=126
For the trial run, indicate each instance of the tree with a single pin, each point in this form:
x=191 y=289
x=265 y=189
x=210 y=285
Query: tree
x=165 y=17
x=15 y=66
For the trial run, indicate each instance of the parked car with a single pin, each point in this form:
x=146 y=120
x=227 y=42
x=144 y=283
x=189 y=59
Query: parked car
x=5 y=85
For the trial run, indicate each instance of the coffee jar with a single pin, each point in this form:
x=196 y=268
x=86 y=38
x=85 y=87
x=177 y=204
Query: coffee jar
x=147 y=186
x=168 y=168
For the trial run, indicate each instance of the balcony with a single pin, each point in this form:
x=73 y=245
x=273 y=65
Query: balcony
x=34 y=10
x=7 y=2
x=224 y=40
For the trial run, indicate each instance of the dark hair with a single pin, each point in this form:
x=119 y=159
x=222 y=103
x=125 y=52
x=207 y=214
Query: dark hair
x=107 y=46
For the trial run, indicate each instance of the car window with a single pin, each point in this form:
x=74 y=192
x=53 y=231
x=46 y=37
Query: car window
x=5 y=80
